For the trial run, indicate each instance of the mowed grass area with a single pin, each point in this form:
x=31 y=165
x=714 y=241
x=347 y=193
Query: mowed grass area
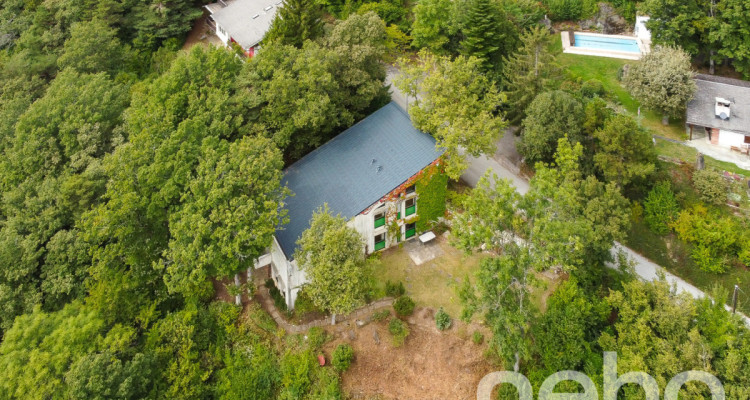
x=434 y=283
x=606 y=71
x=689 y=154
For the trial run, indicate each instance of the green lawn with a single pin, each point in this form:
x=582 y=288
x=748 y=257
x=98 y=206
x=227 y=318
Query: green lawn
x=432 y=284
x=606 y=70
x=689 y=154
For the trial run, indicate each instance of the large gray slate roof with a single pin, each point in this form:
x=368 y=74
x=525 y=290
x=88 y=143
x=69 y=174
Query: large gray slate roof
x=237 y=19
x=701 y=110
x=342 y=172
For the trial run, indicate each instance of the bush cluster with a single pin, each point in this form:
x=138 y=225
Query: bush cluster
x=342 y=357
x=404 y=306
x=660 y=208
x=394 y=289
x=711 y=186
x=716 y=238
x=399 y=331
x=278 y=299
x=442 y=320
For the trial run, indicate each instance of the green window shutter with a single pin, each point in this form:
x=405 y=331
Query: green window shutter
x=380 y=245
x=410 y=210
x=379 y=222
x=411 y=232
x=398 y=215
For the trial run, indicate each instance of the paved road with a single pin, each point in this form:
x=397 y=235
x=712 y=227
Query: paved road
x=644 y=268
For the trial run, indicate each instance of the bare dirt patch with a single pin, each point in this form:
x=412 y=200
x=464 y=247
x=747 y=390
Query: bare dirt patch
x=430 y=365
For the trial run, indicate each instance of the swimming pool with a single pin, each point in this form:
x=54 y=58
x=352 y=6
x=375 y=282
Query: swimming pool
x=606 y=43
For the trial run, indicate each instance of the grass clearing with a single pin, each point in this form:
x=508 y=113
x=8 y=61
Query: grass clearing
x=434 y=283
x=689 y=155
x=606 y=70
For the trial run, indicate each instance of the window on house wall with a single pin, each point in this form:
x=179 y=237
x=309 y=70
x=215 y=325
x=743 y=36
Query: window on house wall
x=747 y=139
x=410 y=207
x=379 y=241
x=410 y=190
x=379 y=218
x=410 y=230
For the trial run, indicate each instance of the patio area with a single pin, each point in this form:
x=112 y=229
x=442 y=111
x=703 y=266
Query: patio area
x=720 y=153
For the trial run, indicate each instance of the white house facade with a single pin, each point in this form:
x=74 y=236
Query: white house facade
x=367 y=174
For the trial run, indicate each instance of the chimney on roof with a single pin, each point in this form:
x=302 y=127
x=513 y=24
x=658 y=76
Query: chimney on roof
x=722 y=108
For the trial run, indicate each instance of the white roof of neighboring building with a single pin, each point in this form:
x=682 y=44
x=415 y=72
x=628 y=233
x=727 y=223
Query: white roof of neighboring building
x=246 y=21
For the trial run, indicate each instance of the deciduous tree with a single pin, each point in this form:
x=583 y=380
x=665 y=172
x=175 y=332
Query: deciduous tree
x=231 y=211
x=332 y=256
x=549 y=118
x=456 y=103
x=662 y=81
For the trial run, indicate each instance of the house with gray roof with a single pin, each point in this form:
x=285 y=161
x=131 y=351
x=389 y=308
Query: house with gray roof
x=367 y=174
x=244 y=22
x=720 y=112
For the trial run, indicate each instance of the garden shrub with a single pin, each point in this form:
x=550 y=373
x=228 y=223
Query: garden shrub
x=394 y=289
x=399 y=331
x=404 y=306
x=660 y=208
x=711 y=186
x=477 y=337
x=316 y=337
x=304 y=304
x=714 y=236
x=342 y=357
x=296 y=369
x=592 y=88
x=381 y=315
x=564 y=10
x=442 y=320
x=327 y=385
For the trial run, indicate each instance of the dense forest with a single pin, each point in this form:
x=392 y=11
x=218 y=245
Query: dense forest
x=134 y=173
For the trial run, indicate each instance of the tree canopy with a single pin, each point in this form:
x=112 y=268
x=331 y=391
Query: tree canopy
x=457 y=104
x=332 y=256
x=662 y=81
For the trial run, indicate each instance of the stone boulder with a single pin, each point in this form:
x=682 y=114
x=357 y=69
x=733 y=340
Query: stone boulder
x=606 y=21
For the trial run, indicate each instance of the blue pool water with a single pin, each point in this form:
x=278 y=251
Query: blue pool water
x=606 y=43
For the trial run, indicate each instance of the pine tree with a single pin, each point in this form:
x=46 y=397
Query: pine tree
x=489 y=34
x=296 y=21
x=528 y=72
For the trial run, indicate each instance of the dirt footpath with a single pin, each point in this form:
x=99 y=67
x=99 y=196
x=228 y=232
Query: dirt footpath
x=430 y=365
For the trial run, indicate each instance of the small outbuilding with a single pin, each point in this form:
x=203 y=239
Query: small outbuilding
x=244 y=22
x=720 y=112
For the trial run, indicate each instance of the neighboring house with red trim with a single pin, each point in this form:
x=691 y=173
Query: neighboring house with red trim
x=720 y=112
x=244 y=22
x=367 y=174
